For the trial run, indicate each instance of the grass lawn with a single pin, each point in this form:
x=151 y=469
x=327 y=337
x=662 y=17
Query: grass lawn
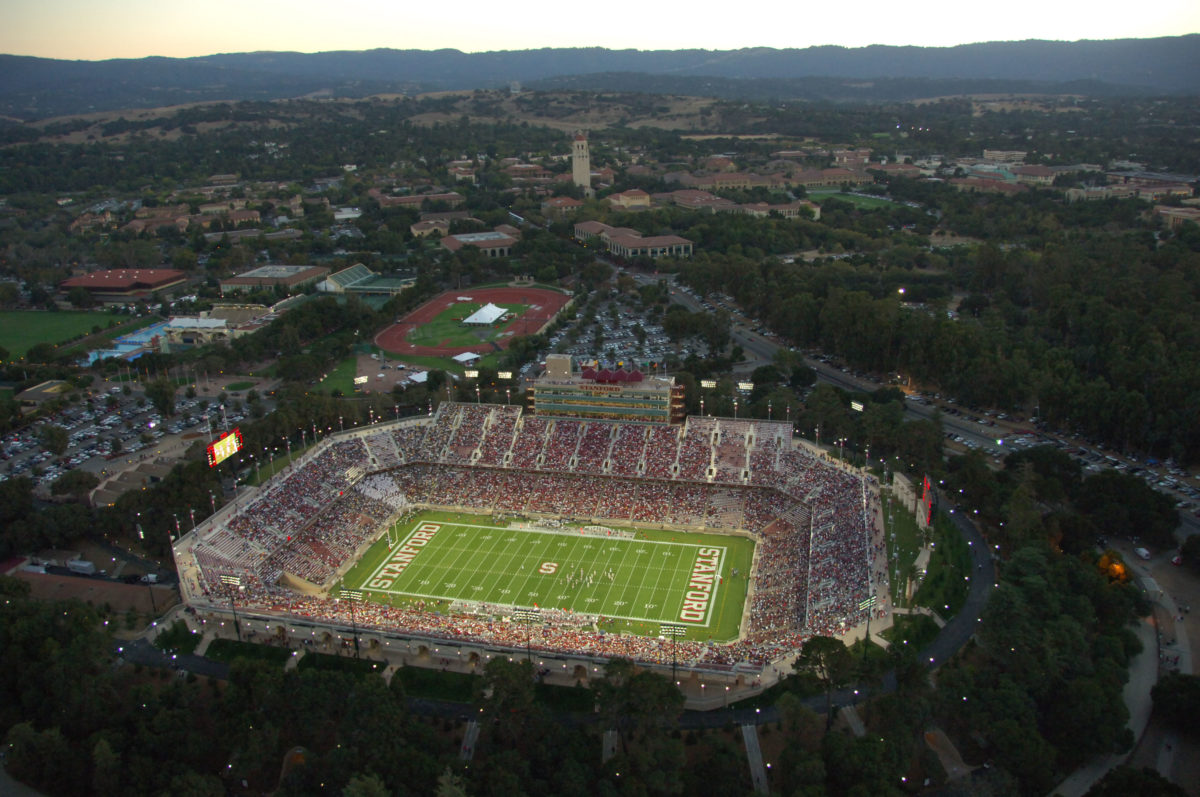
x=904 y=542
x=324 y=661
x=447 y=328
x=238 y=386
x=858 y=200
x=945 y=587
x=20 y=330
x=635 y=582
x=230 y=649
x=915 y=630
x=421 y=682
x=341 y=377
x=178 y=638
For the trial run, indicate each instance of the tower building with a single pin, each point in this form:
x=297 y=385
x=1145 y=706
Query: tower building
x=581 y=164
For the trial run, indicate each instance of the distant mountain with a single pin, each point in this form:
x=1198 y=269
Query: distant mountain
x=829 y=89
x=34 y=88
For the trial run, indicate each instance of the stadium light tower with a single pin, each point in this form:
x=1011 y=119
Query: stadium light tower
x=674 y=631
x=527 y=616
x=233 y=581
x=353 y=596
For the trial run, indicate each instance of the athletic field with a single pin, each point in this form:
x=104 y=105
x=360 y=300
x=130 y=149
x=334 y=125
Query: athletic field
x=20 y=330
x=447 y=328
x=636 y=582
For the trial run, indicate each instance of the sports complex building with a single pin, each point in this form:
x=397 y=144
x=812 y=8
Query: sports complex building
x=616 y=393
x=597 y=501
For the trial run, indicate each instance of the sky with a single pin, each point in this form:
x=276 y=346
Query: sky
x=99 y=29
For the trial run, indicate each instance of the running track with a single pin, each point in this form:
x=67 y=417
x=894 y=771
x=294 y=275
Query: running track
x=543 y=306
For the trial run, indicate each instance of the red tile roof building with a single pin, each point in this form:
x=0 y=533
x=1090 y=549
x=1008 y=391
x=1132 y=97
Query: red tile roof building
x=627 y=243
x=125 y=283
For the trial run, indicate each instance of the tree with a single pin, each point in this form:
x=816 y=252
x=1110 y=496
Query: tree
x=161 y=393
x=106 y=769
x=366 y=785
x=53 y=438
x=636 y=700
x=1177 y=699
x=828 y=659
x=75 y=483
x=80 y=296
x=1144 y=782
x=507 y=694
x=1119 y=504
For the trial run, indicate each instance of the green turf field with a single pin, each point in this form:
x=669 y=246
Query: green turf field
x=858 y=200
x=22 y=329
x=656 y=576
x=447 y=328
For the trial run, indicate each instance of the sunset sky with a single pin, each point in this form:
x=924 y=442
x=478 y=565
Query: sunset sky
x=91 y=30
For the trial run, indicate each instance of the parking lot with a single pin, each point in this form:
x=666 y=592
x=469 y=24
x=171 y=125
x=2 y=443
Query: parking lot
x=105 y=433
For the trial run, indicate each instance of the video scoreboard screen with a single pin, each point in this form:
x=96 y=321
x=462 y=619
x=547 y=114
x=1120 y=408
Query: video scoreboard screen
x=224 y=447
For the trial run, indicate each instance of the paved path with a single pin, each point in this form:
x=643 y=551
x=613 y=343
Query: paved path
x=758 y=773
x=14 y=788
x=608 y=746
x=853 y=720
x=470 y=737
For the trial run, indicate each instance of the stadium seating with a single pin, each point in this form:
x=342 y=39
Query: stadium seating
x=815 y=555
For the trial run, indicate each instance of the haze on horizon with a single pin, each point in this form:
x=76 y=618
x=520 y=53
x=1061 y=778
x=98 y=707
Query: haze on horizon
x=79 y=30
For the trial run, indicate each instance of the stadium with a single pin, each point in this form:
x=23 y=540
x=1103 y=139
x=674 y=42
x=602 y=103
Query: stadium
x=715 y=544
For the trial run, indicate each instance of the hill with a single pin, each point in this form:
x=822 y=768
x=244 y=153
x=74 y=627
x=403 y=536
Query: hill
x=38 y=88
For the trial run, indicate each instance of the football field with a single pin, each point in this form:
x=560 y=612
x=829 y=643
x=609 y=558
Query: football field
x=636 y=578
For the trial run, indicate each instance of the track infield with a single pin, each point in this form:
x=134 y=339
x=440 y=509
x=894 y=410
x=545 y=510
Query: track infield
x=540 y=307
x=636 y=582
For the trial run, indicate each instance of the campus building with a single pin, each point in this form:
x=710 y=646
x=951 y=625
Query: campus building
x=495 y=243
x=617 y=394
x=291 y=278
x=123 y=284
x=627 y=243
x=359 y=279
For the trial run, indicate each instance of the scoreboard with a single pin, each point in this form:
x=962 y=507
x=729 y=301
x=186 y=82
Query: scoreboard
x=224 y=447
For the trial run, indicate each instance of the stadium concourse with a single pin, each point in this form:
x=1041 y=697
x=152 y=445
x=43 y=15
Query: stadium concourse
x=816 y=525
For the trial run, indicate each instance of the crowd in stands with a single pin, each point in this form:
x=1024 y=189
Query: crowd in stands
x=467 y=433
x=560 y=448
x=381 y=450
x=812 y=521
x=661 y=450
x=498 y=438
x=627 y=449
x=593 y=448
x=500 y=631
x=410 y=442
x=528 y=444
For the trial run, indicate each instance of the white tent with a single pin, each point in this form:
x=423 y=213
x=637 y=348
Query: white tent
x=488 y=314
x=466 y=358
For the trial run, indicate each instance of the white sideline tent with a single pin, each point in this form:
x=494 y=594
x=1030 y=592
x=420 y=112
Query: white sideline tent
x=488 y=314
x=466 y=358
